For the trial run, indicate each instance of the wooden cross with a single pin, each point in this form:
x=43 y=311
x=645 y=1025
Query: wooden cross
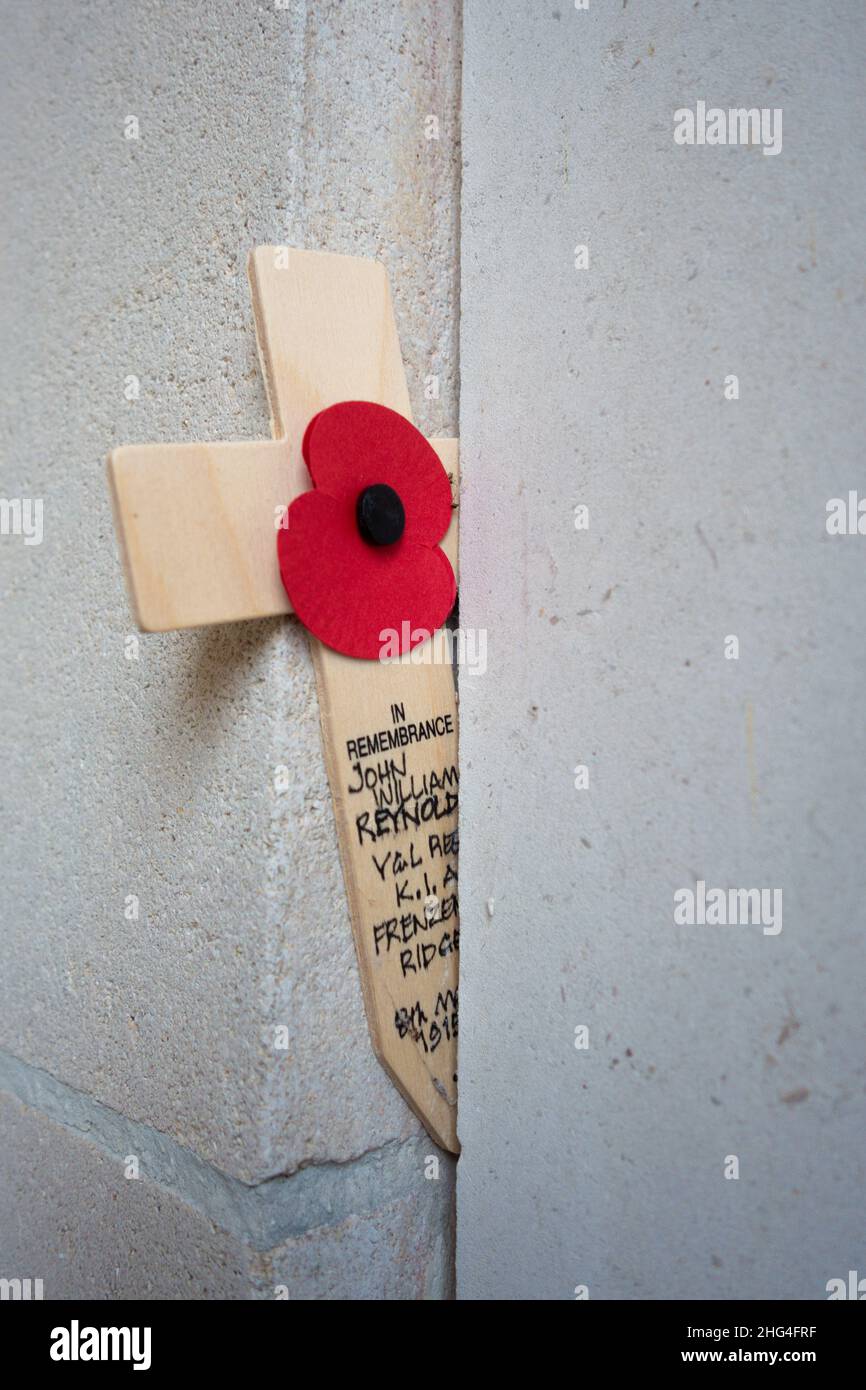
x=197 y=529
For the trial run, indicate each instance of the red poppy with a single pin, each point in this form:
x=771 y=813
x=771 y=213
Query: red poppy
x=359 y=555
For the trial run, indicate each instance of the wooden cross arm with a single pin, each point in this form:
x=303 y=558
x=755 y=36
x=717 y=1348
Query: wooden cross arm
x=197 y=527
x=197 y=522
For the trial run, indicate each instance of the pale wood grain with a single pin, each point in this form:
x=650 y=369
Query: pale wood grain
x=327 y=333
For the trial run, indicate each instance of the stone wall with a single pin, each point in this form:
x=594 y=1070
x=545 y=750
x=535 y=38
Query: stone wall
x=165 y=909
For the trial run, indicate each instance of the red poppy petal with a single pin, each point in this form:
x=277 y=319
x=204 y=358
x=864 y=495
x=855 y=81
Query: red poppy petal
x=349 y=593
x=355 y=443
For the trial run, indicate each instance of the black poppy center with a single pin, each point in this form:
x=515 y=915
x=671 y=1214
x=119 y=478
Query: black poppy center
x=380 y=515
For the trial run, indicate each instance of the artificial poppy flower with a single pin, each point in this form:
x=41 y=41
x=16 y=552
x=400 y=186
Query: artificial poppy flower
x=359 y=555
